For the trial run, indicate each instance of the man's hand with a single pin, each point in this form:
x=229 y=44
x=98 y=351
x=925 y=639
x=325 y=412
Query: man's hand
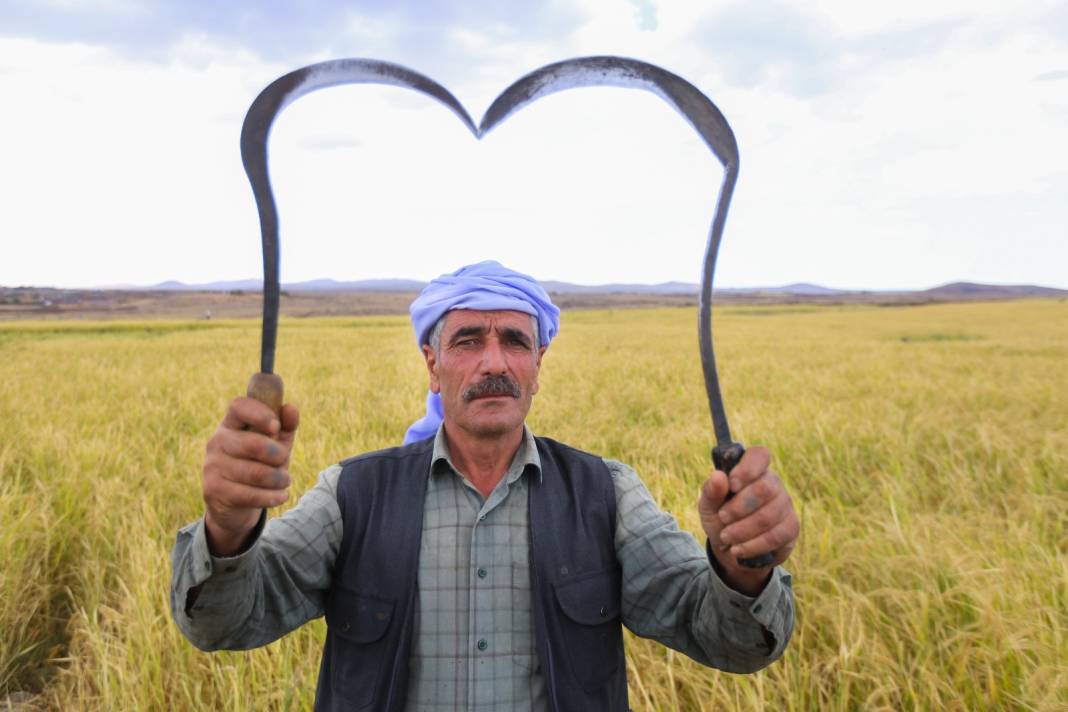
x=759 y=519
x=245 y=471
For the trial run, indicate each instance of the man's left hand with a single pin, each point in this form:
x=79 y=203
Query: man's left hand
x=760 y=518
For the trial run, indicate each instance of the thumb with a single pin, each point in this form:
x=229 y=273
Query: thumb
x=290 y=419
x=713 y=494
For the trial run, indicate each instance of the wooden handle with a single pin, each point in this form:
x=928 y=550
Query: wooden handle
x=267 y=389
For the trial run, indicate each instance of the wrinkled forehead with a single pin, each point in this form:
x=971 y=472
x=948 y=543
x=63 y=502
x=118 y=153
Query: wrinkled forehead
x=489 y=320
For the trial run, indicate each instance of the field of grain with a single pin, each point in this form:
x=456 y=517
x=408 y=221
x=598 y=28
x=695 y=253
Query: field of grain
x=926 y=449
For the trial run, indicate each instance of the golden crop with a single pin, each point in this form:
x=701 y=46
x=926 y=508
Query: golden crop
x=926 y=449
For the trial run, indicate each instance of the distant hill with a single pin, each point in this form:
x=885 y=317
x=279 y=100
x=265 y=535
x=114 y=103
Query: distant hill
x=953 y=290
x=312 y=285
x=662 y=288
x=973 y=290
x=363 y=285
x=324 y=297
x=799 y=288
x=411 y=285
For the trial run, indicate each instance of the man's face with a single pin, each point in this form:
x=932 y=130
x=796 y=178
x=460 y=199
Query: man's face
x=486 y=370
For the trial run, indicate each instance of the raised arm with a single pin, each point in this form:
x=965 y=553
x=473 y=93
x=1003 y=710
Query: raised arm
x=238 y=580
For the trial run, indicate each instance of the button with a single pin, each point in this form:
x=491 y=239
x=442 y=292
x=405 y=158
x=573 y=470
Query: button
x=757 y=607
x=603 y=611
x=482 y=573
x=563 y=570
x=230 y=569
x=482 y=518
x=482 y=644
x=345 y=627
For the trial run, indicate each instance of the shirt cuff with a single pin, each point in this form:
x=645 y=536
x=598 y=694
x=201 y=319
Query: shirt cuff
x=222 y=580
x=221 y=568
x=767 y=608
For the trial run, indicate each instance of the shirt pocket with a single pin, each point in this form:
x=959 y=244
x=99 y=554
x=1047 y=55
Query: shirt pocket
x=593 y=636
x=358 y=624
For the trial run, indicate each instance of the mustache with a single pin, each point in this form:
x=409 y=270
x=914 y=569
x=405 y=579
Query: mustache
x=496 y=385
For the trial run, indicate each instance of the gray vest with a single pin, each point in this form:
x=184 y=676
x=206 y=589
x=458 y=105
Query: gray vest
x=574 y=575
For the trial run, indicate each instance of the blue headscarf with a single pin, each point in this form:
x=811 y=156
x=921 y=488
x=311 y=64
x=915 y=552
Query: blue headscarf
x=485 y=286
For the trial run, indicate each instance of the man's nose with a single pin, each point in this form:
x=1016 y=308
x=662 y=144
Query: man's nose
x=493 y=360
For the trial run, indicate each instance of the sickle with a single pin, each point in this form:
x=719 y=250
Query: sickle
x=685 y=98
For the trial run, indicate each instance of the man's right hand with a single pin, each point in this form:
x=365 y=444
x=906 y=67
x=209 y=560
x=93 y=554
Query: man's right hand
x=246 y=471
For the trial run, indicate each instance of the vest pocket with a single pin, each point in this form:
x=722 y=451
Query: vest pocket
x=592 y=634
x=357 y=625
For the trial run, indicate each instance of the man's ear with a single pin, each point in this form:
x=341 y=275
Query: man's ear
x=537 y=369
x=432 y=368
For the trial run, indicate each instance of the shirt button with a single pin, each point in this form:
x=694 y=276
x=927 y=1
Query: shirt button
x=482 y=518
x=482 y=644
x=482 y=573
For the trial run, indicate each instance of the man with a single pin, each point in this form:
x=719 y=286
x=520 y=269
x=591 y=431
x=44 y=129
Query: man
x=477 y=567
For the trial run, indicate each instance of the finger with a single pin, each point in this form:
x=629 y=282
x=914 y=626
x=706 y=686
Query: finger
x=249 y=414
x=290 y=423
x=235 y=495
x=713 y=492
x=290 y=418
x=252 y=473
x=248 y=445
x=754 y=463
x=762 y=520
x=754 y=496
x=780 y=540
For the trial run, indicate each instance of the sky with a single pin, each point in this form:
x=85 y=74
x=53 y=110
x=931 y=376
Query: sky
x=882 y=145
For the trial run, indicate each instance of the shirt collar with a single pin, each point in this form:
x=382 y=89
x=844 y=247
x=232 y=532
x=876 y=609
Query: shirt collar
x=526 y=456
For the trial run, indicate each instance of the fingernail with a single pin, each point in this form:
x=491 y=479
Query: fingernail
x=735 y=484
x=725 y=517
x=725 y=537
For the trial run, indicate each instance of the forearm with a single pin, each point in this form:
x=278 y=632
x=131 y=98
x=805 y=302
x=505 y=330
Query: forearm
x=672 y=594
x=688 y=607
x=276 y=584
x=737 y=632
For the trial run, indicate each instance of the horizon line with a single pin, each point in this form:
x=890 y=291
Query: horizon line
x=222 y=285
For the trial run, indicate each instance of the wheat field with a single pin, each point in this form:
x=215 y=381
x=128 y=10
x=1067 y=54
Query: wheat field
x=926 y=449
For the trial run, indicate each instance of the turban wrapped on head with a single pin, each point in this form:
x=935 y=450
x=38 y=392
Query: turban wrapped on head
x=484 y=286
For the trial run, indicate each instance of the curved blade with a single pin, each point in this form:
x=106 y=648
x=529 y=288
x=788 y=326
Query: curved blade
x=700 y=112
x=257 y=126
x=694 y=106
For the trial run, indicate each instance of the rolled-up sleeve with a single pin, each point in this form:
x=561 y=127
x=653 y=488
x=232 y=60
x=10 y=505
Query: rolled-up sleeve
x=672 y=594
x=276 y=584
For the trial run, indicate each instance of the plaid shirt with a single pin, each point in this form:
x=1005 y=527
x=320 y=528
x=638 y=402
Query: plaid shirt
x=473 y=646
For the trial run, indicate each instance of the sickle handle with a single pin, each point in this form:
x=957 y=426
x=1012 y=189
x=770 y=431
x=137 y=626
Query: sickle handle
x=267 y=389
x=725 y=458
